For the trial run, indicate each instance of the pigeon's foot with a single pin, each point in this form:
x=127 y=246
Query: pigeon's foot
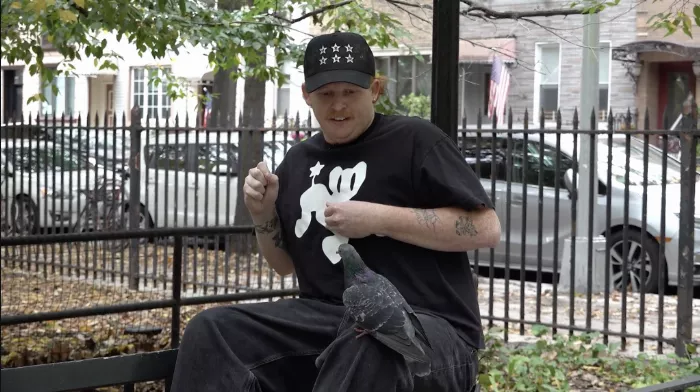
x=362 y=332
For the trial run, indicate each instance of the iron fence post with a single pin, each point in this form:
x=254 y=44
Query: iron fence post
x=686 y=240
x=444 y=88
x=134 y=194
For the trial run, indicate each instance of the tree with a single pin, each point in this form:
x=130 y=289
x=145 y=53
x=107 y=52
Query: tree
x=238 y=33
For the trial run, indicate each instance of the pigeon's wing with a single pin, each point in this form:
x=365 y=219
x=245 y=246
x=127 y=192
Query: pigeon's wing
x=397 y=297
x=368 y=305
x=417 y=325
x=396 y=334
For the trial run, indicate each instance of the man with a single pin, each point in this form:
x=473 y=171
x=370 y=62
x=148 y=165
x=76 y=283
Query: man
x=400 y=192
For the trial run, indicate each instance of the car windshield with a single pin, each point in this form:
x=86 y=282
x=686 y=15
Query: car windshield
x=41 y=159
x=636 y=173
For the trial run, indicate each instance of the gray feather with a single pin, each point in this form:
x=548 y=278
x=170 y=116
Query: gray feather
x=377 y=307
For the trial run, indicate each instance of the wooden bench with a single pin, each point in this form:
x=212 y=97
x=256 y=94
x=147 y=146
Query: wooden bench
x=91 y=373
x=129 y=369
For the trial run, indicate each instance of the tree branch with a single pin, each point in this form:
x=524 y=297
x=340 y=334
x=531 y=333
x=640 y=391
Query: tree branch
x=315 y=12
x=485 y=12
x=479 y=10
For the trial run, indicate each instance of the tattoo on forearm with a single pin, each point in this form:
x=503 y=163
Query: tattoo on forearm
x=279 y=240
x=465 y=225
x=269 y=226
x=426 y=217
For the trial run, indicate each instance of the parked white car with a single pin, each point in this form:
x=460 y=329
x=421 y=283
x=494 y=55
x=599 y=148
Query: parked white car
x=191 y=178
x=528 y=229
x=43 y=184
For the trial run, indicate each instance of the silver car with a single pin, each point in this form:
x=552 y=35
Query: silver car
x=527 y=227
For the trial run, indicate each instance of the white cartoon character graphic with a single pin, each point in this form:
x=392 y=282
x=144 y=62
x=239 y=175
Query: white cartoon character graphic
x=344 y=185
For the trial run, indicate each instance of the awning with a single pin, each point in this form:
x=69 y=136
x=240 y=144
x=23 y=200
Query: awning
x=483 y=50
x=628 y=52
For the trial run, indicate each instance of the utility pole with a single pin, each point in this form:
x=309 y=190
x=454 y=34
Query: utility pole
x=589 y=102
x=587 y=239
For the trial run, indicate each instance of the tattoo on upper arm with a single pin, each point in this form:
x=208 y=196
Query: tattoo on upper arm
x=426 y=217
x=465 y=225
x=269 y=226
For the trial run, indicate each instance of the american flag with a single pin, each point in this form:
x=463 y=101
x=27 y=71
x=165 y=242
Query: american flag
x=498 y=90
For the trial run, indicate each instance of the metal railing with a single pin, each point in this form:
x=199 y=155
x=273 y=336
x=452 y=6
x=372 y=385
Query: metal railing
x=184 y=180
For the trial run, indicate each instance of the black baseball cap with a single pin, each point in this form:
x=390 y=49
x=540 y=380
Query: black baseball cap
x=338 y=57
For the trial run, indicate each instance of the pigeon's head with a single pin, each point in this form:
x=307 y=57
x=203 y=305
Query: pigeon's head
x=352 y=262
x=347 y=252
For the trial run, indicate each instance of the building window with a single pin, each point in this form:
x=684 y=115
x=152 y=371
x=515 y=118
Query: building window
x=61 y=100
x=407 y=74
x=547 y=79
x=604 y=80
x=151 y=97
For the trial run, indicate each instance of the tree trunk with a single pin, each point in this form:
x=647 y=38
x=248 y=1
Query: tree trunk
x=223 y=108
x=251 y=142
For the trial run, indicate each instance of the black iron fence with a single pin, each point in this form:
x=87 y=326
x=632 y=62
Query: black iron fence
x=75 y=177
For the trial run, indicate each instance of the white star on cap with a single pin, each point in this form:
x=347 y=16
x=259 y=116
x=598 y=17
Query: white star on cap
x=323 y=60
x=336 y=59
x=323 y=49
x=336 y=47
x=349 y=59
x=348 y=48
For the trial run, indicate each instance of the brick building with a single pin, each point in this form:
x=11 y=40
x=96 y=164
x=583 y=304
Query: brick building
x=544 y=58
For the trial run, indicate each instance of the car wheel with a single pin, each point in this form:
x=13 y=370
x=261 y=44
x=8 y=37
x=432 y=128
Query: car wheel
x=638 y=264
x=25 y=216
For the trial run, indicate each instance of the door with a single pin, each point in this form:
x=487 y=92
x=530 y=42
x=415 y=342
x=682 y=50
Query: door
x=166 y=181
x=12 y=95
x=676 y=83
x=214 y=183
x=531 y=204
x=109 y=104
x=490 y=168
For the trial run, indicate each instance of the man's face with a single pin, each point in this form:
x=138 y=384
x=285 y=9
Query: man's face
x=343 y=110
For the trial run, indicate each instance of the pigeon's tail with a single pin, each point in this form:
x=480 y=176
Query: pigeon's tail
x=420 y=369
x=416 y=357
x=420 y=332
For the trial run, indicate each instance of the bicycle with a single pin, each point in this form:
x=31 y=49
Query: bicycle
x=105 y=210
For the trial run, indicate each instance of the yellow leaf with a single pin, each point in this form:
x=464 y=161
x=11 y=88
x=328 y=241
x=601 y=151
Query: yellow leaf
x=16 y=5
x=38 y=5
x=80 y=3
x=67 y=16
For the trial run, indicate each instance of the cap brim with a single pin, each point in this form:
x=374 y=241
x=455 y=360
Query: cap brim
x=342 y=75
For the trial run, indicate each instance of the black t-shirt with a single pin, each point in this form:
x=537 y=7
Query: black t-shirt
x=399 y=161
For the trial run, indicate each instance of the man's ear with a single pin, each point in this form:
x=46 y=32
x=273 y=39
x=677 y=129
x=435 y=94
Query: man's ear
x=305 y=94
x=376 y=89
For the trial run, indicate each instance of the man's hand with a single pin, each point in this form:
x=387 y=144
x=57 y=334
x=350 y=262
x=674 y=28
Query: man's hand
x=260 y=192
x=352 y=219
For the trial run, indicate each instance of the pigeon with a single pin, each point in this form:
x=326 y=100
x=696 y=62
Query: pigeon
x=380 y=311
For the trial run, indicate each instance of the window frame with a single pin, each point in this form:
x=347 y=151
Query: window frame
x=537 y=99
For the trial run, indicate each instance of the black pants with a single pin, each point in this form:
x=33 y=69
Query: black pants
x=273 y=347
